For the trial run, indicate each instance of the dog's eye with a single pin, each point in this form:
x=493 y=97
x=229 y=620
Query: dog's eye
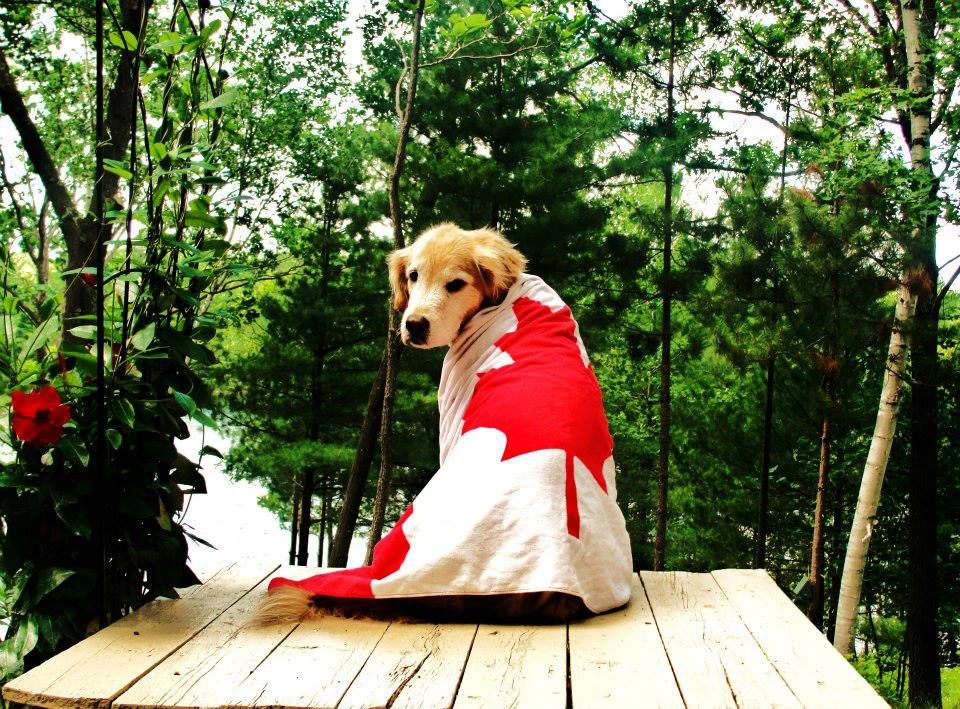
x=455 y=285
x=413 y=276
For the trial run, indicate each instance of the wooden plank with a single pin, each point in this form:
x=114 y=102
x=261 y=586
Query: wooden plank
x=414 y=665
x=716 y=660
x=618 y=659
x=808 y=663
x=313 y=666
x=202 y=672
x=98 y=669
x=516 y=666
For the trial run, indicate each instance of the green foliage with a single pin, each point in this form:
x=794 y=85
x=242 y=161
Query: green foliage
x=162 y=271
x=245 y=280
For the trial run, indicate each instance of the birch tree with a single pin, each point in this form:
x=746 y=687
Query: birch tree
x=907 y=37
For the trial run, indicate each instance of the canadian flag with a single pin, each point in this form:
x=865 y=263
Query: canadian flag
x=525 y=497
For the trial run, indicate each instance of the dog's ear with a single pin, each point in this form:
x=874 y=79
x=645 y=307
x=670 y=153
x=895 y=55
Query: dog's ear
x=498 y=261
x=397 y=263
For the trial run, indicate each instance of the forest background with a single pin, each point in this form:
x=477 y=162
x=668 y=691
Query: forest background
x=747 y=204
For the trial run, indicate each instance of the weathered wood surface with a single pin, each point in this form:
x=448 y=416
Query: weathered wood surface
x=96 y=671
x=729 y=638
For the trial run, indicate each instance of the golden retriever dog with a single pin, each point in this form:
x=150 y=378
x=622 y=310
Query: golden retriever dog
x=438 y=283
x=441 y=280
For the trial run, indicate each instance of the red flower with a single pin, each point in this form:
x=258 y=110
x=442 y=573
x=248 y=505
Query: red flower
x=89 y=279
x=38 y=416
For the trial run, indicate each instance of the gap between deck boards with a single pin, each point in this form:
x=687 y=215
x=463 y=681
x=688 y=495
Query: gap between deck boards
x=727 y=638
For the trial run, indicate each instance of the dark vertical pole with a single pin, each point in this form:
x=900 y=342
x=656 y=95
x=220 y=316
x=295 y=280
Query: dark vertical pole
x=99 y=447
x=304 y=520
x=763 y=503
x=392 y=351
x=663 y=462
x=294 y=522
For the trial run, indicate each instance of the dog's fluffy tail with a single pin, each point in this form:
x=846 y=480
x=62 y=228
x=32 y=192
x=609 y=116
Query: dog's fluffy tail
x=285 y=604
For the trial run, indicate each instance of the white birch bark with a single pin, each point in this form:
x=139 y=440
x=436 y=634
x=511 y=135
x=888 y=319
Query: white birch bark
x=865 y=515
x=869 y=498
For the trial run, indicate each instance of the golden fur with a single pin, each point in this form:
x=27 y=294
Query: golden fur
x=482 y=258
x=289 y=604
x=488 y=264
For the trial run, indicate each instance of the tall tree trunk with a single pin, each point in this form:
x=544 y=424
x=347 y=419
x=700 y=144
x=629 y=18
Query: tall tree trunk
x=815 y=611
x=329 y=529
x=923 y=643
x=393 y=346
x=79 y=231
x=304 y=518
x=295 y=522
x=763 y=499
x=830 y=371
x=663 y=460
x=359 y=471
x=836 y=543
x=324 y=514
x=386 y=439
x=43 y=247
x=871 y=483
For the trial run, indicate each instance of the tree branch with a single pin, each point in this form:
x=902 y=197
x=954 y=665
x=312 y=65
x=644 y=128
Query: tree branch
x=939 y=114
x=751 y=114
x=946 y=287
x=120 y=102
x=12 y=103
x=858 y=16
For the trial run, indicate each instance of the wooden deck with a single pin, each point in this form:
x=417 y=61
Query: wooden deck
x=725 y=639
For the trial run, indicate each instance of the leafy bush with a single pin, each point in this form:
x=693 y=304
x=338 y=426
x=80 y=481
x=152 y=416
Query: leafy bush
x=83 y=542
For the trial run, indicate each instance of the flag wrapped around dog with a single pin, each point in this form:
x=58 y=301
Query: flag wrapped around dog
x=525 y=499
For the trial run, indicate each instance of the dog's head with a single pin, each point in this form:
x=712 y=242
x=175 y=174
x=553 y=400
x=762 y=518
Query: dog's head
x=446 y=276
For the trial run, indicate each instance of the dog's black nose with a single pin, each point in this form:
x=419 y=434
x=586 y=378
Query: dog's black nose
x=418 y=329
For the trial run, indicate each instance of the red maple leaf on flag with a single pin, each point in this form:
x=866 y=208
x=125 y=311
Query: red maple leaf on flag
x=546 y=398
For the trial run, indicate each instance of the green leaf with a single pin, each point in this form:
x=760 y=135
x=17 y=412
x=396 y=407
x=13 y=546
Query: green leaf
x=15 y=481
x=126 y=41
x=47 y=580
x=74 y=515
x=143 y=337
x=160 y=191
x=200 y=417
x=163 y=519
x=219 y=246
x=74 y=449
x=155 y=74
x=118 y=171
x=185 y=400
x=117 y=168
x=10 y=662
x=20 y=581
x=84 y=332
x=224 y=99
x=170 y=42
x=38 y=338
x=187 y=296
x=210 y=450
x=114 y=437
x=123 y=410
x=475 y=20
x=202 y=220
x=158 y=151
x=210 y=29
x=26 y=637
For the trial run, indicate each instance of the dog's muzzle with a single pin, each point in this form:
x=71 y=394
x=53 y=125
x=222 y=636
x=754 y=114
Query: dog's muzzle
x=418 y=330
